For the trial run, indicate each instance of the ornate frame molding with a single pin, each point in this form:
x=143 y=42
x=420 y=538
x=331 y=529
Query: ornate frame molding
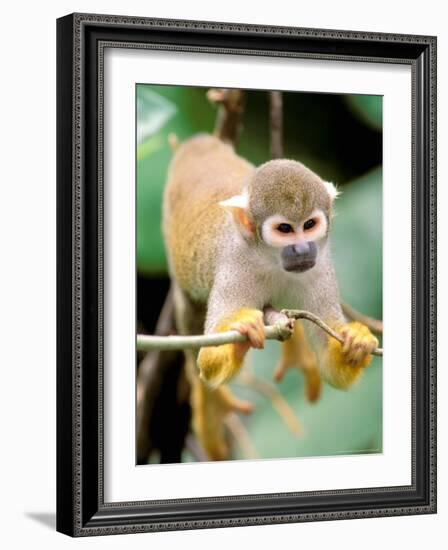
x=81 y=42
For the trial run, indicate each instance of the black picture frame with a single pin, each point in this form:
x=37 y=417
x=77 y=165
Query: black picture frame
x=81 y=39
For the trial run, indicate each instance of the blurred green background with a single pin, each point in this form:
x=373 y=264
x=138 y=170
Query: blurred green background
x=340 y=138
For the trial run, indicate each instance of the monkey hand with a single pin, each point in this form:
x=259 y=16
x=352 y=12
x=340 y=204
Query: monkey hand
x=217 y=364
x=297 y=354
x=344 y=363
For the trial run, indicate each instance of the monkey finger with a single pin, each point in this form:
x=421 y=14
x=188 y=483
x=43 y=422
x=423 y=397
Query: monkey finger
x=363 y=344
x=241 y=328
x=229 y=402
x=363 y=349
x=357 y=353
x=374 y=343
x=242 y=406
x=312 y=386
x=279 y=371
x=238 y=405
x=256 y=340
x=261 y=334
x=256 y=336
x=360 y=354
x=238 y=326
x=348 y=342
x=348 y=357
x=246 y=330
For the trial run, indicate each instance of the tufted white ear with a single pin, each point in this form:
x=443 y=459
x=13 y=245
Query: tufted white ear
x=237 y=201
x=331 y=189
x=237 y=207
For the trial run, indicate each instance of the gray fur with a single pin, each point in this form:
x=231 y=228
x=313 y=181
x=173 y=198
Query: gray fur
x=212 y=260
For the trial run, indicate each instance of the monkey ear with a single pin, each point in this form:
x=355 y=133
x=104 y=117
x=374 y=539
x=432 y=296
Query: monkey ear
x=331 y=189
x=237 y=207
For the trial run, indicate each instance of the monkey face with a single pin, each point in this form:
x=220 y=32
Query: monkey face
x=290 y=206
x=285 y=210
x=297 y=244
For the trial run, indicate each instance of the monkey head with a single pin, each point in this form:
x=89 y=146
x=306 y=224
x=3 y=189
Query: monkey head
x=285 y=209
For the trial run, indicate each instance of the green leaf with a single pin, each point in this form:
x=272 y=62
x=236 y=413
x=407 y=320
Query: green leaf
x=192 y=114
x=368 y=108
x=340 y=423
x=153 y=111
x=356 y=240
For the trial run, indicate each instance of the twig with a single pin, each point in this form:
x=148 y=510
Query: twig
x=375 y=325
x=279 y=403
x=276 y=117
x=301 y=314
x=241 y=436
x=195 y=449
x=231 y=108
x=280 y=331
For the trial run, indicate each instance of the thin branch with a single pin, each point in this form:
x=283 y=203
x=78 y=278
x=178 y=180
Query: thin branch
x=196 y=451
x=241 y=436
x=375 y=325
x=280 y=331
x=230 y=110
x=278 y=402
x=301 y=314
x=276 y=118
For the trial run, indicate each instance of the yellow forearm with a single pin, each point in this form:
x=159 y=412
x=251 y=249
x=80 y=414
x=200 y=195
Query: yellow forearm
x=343 y=364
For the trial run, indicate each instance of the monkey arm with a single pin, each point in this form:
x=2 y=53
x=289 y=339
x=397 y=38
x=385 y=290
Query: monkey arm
x=220 y=363
x=231 y=308
x=297 y=354
x=343 y=364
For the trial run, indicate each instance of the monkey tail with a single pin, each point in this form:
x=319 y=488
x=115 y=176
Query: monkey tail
x=173 y=141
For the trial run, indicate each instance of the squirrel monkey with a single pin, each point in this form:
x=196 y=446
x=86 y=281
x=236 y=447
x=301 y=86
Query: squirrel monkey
x=240 y=238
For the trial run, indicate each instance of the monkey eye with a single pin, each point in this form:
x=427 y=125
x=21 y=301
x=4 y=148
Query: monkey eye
x=309 y=224
x=285 y=228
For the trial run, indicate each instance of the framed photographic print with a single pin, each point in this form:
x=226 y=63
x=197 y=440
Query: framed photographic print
x=246 y=274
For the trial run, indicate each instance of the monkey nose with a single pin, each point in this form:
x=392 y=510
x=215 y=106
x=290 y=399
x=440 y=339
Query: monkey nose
x=302 y=248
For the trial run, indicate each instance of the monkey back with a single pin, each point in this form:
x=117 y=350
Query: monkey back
x=203 y=172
